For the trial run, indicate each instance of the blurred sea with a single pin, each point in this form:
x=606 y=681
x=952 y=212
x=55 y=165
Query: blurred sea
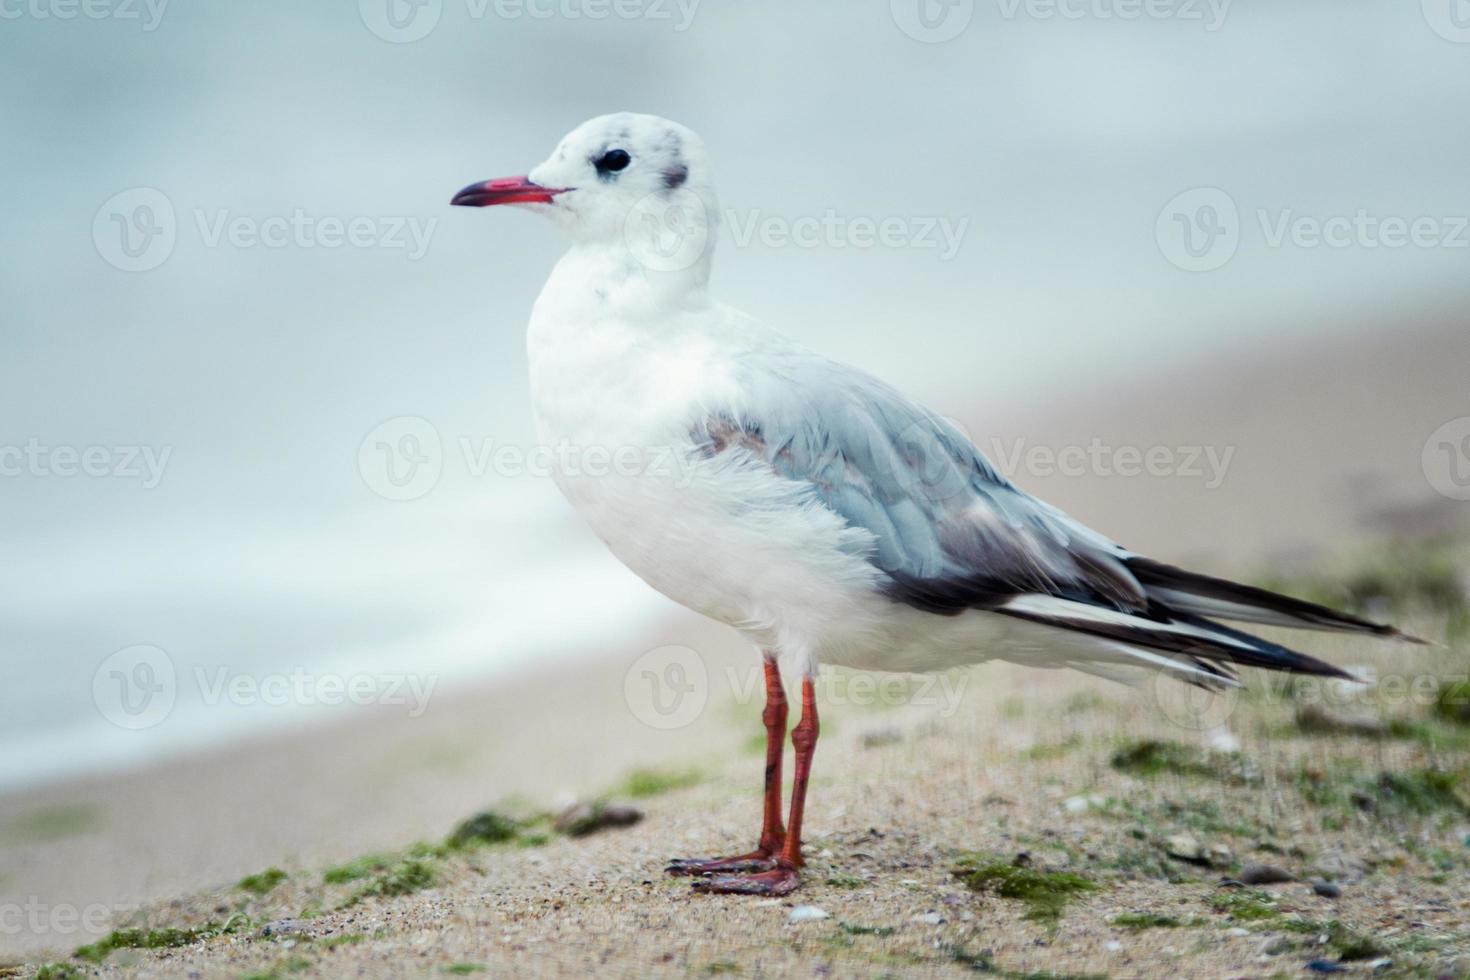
x=270 y=545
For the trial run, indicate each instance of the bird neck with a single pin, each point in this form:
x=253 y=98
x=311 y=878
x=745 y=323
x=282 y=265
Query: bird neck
x=606 y=281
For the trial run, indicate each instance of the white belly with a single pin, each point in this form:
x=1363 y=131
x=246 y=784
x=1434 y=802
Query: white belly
x=731 y=541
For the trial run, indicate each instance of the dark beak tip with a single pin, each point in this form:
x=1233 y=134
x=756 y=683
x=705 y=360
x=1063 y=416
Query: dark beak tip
x=471 y=196
x=504 y=190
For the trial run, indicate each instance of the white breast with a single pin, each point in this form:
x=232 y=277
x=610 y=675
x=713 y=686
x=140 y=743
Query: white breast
x=618 y=400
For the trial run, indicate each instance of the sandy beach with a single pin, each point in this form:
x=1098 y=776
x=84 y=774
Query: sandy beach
x=1149 y=802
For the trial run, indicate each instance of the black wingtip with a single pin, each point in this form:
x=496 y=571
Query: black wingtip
x=1254 y=604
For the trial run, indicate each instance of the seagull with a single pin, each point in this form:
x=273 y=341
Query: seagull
x=807 y=504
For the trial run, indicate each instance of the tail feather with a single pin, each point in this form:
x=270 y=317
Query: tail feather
x=1204 y=595
x=1187 y=645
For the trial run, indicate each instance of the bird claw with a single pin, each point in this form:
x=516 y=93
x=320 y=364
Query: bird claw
x=777 y=881
x=699 y=867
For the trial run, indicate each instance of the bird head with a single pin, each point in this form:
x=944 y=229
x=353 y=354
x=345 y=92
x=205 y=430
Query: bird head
x=625 y=179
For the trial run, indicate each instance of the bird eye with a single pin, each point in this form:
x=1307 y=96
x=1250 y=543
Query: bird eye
x=612 y=161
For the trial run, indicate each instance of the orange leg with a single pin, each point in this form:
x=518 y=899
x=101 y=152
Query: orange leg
x=783 y=878
x=773 y=834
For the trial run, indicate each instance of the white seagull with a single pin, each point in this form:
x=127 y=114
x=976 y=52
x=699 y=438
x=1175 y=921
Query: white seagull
x=804 y=502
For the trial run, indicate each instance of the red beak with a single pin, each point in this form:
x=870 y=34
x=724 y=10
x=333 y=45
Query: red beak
x=505 y=190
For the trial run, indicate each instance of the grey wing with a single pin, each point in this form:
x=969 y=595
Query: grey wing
x=950 y=532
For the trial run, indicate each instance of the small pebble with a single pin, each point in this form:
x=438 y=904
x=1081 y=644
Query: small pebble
x=880 y=737
x=1112 y=946
x=1326 y=966
x=1276 y=945
x=806 y=913
x=1264 y=874
x=281 y=927
x=1237 y=931
x=1326 y=888
x=1184 y=847
x=930 y=919
x=1081 y=804
x=581 y=819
